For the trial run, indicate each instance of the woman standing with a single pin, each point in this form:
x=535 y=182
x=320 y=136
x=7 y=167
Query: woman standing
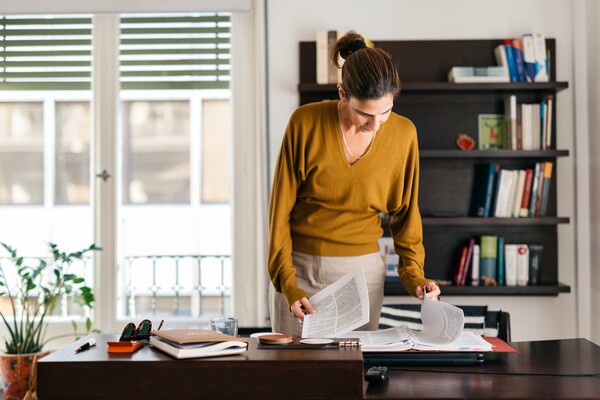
x=342 y=163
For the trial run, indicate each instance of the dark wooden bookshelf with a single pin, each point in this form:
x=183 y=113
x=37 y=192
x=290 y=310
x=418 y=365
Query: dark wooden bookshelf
x=441 y=110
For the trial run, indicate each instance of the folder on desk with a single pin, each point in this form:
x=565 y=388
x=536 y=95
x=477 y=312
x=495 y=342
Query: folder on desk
x=423 y=358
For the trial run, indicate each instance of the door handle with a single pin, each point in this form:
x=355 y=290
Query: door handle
x=104 y=175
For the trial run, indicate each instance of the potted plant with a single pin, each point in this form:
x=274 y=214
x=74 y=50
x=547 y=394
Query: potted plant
x=30 y=289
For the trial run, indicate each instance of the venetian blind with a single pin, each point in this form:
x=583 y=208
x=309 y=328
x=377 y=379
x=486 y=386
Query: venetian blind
x=156 y=52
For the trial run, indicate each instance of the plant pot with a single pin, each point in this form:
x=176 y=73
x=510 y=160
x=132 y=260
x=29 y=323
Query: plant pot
x=19 y=375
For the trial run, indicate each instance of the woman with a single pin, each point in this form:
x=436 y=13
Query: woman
x=341 y=164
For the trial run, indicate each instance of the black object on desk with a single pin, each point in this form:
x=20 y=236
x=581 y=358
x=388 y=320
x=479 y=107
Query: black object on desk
x=423 y=358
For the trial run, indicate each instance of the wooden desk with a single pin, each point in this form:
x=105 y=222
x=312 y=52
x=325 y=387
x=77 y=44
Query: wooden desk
x=540 y=370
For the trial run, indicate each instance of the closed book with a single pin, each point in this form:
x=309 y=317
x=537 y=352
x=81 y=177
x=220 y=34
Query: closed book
x=462 y=259
x=510 y=58
x=510 y=264
x=529 y=57
x=475 y=265
x=537 y=176
x=527 y=186
x=500 y=264
x=535 y=263
x=548 y=135
x=541 y=58
x=478 y=74
x=518 y=52
x=521 y=174
x=501 y=61
x=128 y=346
x=483 y=189
x=522 y=265
x=487 y=263
x=197 y=343
x=510 y=119
x=322 y=58
x=535 y=212
x=468 y=262
x=546 y=183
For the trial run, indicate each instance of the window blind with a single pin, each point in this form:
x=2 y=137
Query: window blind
x=189 y=51
x=45 y=53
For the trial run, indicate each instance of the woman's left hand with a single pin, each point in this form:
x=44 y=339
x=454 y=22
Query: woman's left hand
x=433 y=291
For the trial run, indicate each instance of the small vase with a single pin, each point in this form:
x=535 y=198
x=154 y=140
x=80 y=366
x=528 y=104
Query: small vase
x=19 y=375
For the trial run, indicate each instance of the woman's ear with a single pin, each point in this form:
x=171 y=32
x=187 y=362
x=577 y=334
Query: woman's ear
x=341 y=92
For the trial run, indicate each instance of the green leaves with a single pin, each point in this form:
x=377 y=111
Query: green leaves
x=38 y=289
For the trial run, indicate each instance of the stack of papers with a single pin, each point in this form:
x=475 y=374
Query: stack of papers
x=196 y=343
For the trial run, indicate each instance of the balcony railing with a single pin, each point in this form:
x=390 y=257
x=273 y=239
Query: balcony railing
x=177 y=285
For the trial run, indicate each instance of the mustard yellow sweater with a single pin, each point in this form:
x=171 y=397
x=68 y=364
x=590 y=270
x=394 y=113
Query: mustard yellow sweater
x=322 y=205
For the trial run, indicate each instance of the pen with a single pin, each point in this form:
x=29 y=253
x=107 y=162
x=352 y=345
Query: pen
x=86 y=345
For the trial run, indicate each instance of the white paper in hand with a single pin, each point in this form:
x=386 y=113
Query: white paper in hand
x=341 y=307
x=442 y=322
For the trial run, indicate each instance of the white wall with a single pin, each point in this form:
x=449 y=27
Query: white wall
x=593 y=53
x=289 y=22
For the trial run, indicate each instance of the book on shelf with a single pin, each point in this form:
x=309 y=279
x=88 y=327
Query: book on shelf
x=488 y=260
x=535 y=263
x=546 y=183
x=483 y=189
x=510 y=59
x=327 y=73
x=518 y=52
x=541 y=58
x=536 y=195
x=522 y=265
x=468 y=262
x=548 y=122
x=388 y=255
x=510 y=264
x=527 y=186
x=500 y=266
x=510 y=121
x=490 y=131
x=475 y=265
x=460 y=267
x=501 y=58
x=519 y=190
x=529 y=57
x=478 y=74
x=197 y=343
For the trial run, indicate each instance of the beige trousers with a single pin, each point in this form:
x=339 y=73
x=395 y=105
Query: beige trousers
x=314 y=273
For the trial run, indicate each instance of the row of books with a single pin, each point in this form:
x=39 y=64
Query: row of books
x=489 y=261
x=525 y=58
x=326 y=71
x=522 y=59
x=511 y=193
x=528 y=125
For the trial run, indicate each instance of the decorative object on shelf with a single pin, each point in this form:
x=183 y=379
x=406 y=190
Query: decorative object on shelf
x=491 y=131
x=32 y=292
x=465 y=142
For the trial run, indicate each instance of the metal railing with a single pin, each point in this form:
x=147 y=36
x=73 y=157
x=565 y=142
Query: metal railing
x=177 y=285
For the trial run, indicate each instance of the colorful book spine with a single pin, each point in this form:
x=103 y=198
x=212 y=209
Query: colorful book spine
x=468 y=262
x=546 y=183
x=488 y=261
x=529 y=174
x=518 y=52
x=510 y=58
x=541 y=58
x=483 y=190
x=462 y=259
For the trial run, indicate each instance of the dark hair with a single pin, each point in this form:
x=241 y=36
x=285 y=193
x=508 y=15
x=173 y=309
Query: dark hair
x=368 y=72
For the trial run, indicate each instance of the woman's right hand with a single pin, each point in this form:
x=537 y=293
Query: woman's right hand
x=302 y=307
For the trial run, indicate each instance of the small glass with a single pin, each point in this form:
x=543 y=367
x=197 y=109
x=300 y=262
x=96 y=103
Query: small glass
x=226 y=325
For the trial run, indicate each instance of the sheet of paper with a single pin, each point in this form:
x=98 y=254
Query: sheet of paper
x=442 y=322
x=466 y=341
x=391 y=339
x=341 y=307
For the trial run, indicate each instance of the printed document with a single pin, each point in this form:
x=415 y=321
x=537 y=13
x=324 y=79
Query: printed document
x=443 y=326
x=341 y=307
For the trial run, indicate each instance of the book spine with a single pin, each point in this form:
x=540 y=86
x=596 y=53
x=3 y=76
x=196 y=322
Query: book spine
x=510 y=264
x=529 y=57
x=519 y=193
x=487 y=265
x=541 y=58
x=510 y=112
x=534 y=189
x=500 y=55
x=546 y=183
x=468 y=262
x=535 y=263
x=462 y=259
x=527 y=186
x=500 y=257
x=510 y=58
x=331 y=40
x=522 y=265
x=322 y=58
x=475 y=265
x=538 y=193
x=549 y=102
x=518 y=52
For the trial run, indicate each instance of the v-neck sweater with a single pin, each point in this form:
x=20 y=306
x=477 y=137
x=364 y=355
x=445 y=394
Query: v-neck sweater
x=322 y=205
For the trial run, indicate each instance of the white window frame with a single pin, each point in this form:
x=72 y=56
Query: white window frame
x=249 y=192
